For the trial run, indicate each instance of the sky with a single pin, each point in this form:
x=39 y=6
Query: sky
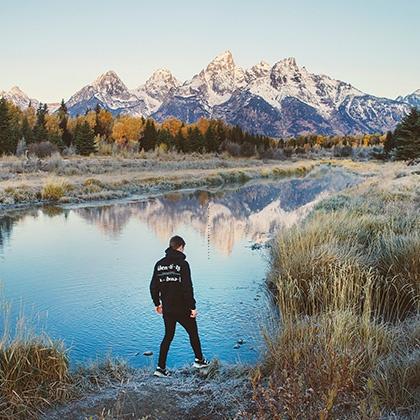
x=50 y=49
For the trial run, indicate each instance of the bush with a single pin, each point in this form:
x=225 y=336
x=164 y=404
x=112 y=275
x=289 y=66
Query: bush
x=42 y=149
x=342 y=151
x=234 y=149
x=54 y=190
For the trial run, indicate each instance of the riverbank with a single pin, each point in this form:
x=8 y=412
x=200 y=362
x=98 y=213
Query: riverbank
x=58 y=180
x=338 y=353
x=347 y=285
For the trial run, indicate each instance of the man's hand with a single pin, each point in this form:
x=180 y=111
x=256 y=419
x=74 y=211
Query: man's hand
x=193 y=313
x=158 y=309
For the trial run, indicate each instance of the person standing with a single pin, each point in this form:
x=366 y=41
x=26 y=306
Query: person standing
x=173 y=296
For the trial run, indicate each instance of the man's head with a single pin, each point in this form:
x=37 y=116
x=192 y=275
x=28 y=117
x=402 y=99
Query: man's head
x=176 y=242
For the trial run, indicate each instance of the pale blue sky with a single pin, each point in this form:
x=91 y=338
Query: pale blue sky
x=52 y=48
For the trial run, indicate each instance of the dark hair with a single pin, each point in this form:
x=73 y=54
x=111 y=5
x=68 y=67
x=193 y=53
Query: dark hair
x=176 y=241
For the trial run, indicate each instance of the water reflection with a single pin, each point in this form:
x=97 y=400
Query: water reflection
x=224 y=217
x=89 y=268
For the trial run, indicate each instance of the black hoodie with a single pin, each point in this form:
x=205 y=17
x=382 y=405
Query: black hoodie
x=171 y=284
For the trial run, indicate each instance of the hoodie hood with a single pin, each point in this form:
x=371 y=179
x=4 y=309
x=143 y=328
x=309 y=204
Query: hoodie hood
x=174 y=253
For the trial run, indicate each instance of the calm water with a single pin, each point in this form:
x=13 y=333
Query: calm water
x=83 y=272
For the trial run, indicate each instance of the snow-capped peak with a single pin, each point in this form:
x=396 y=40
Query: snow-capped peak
x=225 y=57
x=16 y=90
x=110 y=84
x=262 y=69
x=219 y=79
x=19 y=97
x=160 y=84
x=412 y=99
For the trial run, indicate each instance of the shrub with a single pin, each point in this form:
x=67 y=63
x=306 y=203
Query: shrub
x=54 y=190
x=42 y=149
x=34 y=371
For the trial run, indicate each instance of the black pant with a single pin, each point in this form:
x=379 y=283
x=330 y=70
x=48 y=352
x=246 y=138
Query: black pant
x=190 y=326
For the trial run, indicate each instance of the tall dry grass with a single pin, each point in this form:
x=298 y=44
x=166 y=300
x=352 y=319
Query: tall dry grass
x=347 y=286
x=34 y=371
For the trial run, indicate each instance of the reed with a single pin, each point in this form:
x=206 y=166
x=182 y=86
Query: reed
x=34 y=372
x=346 y=284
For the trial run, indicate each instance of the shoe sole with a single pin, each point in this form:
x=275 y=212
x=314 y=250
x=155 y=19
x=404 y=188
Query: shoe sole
x=197 y=366
x=160 y=375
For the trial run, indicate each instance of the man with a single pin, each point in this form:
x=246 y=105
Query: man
x=172 y=293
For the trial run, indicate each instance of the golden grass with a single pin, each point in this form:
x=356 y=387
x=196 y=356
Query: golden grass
x=54 y=189
x=34 y=372
x=347 y=286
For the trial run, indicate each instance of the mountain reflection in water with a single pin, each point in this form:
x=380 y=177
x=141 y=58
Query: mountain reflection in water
x=253 y=211
x=87 y=269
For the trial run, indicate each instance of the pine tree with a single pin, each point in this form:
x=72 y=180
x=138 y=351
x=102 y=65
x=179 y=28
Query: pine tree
x=149 y=137
x=84 y=139
x=27 y=132
x=165 y=137
x=97 y=128
x=63 y=116
x=210 y=140
x=389 y=143
x=195 y=140
x=40 y=132
x=179 y=141
x=407 y=137
x=8 y=139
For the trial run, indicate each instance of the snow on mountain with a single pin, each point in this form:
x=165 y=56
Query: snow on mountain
x=156 y=89
x=214 y=85
x=259 y=70
x=412 y=99
x=278 y=100
x=19 y=98
x=290 y=101
x=108 y=91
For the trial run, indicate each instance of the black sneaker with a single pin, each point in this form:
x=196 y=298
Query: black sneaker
x=161 y=373
x=199 y=364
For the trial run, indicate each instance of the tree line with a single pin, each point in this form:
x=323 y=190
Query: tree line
x=97 y=130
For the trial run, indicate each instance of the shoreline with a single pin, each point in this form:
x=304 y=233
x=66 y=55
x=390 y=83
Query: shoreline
x=44 y=189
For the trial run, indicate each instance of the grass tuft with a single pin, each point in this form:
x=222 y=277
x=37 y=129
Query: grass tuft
x=346 y=283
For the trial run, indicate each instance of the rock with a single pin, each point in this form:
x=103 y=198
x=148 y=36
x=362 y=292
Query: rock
x=148 y=353
x=236 y=346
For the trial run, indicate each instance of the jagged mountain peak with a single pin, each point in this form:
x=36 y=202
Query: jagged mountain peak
x=162 y=76
x=110 y=83
x=219 y=79
x=224 y=57
x=223 y=63
x=19 y=97
x=286 y=63
x=412 y=99
x=280 y=100
x=18 y=91
x=261 y=69
x=160 y=84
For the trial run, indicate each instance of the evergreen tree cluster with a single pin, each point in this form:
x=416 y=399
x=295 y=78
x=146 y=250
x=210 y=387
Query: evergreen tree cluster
x=216 y=136
x=404 y=142
x=99 y=128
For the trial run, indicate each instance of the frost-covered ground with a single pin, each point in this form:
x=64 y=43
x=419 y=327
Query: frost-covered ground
x=222 y=392
x=73 y=180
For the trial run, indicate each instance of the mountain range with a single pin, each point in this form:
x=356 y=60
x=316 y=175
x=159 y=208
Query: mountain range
x=282 y=100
